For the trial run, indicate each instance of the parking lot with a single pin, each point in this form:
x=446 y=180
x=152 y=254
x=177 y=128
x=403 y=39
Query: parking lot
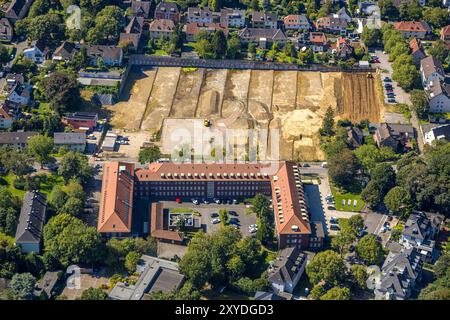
x=401 y=96
x=243 y=219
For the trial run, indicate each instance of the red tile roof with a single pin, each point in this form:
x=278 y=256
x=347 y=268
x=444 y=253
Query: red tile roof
x=116 y=201
x=412 y=26
x=291 y=212
x=157 y=223
x=216 y=171
x=194 y=27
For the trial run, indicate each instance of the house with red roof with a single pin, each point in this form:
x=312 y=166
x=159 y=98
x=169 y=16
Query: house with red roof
x=410 y=29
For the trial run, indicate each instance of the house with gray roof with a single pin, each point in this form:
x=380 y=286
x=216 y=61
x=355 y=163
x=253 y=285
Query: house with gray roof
x=75 y=141
x=285 y=272
x=437 y=133
x=155 y=275
x=431 y=70
x=17 y=9
x=6 y=30
x=399 y=275
x=262 y=19
x=111 y=55
x=438 y=96
x=396 y=136
x=16 y=139
x=262 y=37
x=420 y=231
x=31 y=222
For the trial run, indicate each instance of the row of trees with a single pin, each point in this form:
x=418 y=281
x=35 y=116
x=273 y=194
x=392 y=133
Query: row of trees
x=217 y=46
x=404 y=72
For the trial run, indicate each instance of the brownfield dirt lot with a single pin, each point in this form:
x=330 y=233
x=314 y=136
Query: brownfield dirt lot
x=287 y=102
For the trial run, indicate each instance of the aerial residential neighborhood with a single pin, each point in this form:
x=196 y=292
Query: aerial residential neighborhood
x=224 y=150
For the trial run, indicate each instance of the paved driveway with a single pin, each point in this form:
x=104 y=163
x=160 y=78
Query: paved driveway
x=401 y=96
x=315 y=194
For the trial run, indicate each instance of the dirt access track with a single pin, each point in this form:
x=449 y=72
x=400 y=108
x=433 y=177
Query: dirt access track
x=290 y=103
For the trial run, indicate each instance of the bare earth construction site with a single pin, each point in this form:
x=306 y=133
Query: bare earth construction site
x=166 y=99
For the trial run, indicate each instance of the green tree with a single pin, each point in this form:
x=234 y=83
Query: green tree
x=369 y=156
x=108 y=24
x=10 y=256
x=9 y=212
x=410 y=10
x=72 y=206
x=61 y=90
x=396 y=199
x=388 y=9
x=150 y=154
x=74 y=165
x=131 y=260
x=326 y=266
x=436 y=17
x=219 y=44
x=48 y=28
x=93 y=294
x=337 y=293
x=419 y=100
x=342 y=242
x=57 y=197
x=370 y=250
x=440 y=51
x=40 y=147
x=233 y=48
x=406 y=76
x=327 y=128
x=71 y=241
x=359 y=275
x=22 y=286
x=343 y=169
x=260 y=205
x=4 y=55
x=371 y=36
x=236 y=267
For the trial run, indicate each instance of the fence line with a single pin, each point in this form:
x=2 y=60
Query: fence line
x=160 y=61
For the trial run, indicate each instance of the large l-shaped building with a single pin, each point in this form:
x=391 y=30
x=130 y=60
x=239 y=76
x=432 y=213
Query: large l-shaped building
x=124 y=185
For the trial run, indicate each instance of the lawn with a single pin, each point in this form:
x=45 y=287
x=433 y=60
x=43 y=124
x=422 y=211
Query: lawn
x=339 y=196
x=46 y=187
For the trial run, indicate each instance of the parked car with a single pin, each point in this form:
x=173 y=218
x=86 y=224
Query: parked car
x=234 y=221
x=214 y=215
x=205 y=201
x=217 y=201
x=195 y=201
x=392 y=101
x=334 y=220
x=233 y=213
x=306 y=165
x=215 y=221
x=177 y=200
x=335 y=227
